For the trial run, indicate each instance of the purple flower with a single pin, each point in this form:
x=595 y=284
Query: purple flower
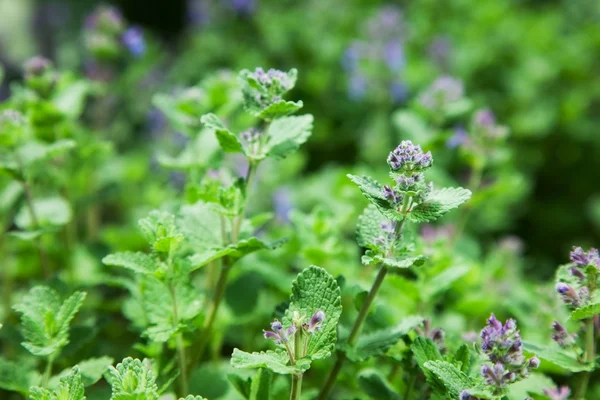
x=561 y=336
x=459 y=138
x=561 y=393
x=393 y=54
x=252 y=135
x=464 y=395
x=316 y=322
x=273 y=77
x=243 y=6
x=502 y=344
x=484 y=123
x=391 y=195
x=570 y=296
x=582 y=259
x=133 y=39
x=37 y=66
x=398 y=91
x=282 y=203
x=443 y=91
x=357 y=86
x=278 y=334
x=439 y=51
x=409 y=158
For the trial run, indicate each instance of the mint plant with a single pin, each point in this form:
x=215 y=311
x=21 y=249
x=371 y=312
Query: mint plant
x=306 y=333
x=380 y=228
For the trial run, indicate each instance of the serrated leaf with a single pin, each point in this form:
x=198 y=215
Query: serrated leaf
x=14 y=377
x=91 y=371
x=399 y=261
x=453 y=379
x=229 y=142
x=377 y=343
x=462 y=359
x=315 y=289
x=138 y=262
x=132 y=380
x=373 y=191
x=285 y=135
x=233 y=251
x=276 y=361
x=279 y=109
x=368 y=229
x=160 y=231
x=585 y=312
x=192 y=397
x=558 y=357
x=70 y=387
x=49 y=212
x=438 y=203
x=45 y=320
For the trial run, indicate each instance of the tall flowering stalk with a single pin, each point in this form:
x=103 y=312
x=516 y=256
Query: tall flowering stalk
x=409 y=198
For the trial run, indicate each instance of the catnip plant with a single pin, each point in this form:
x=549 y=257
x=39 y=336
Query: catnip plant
x=380 y=229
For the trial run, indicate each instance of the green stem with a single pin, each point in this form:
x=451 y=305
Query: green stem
x=48 y=371
x=296 y=387
x=181 y=356
x=590 y=355
x=410 y=387
x=299 y=353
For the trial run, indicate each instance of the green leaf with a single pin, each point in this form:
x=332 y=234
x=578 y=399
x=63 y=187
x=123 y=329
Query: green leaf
x=368 y=229
x=585 y=312
x=453 y=379
x=376 y=386
x=377 y=343
x=285 y=135
x=91 y=371
x=70 y=100
x=70 y=387
x=132 y=380
x=192 y=397
x=398 y=261
x=160 y=231
x=14 y=377
x=315 y=289
x=463 y=359
x=279 y=109
x=229 y=142
x=443 y=280
x=373 y=191
x=438 y=203
x=138 y=262
x=260 y=388
x=50 y=212
x=557 y=356
x=233 y=251
x=276 y=361
x=45 y=320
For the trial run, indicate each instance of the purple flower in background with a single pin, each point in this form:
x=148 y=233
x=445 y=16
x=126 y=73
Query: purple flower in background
x=357 y=88
x=439 y=51
x=443 y=91
x=571 y=296
x=283 y=204
x=484 y=123
x=133 y=39
x=459 y=138
x=561 y=336
x=398 y=91
x=353 y=55
x=562 y=393
x=242 y=6
x=393 y=54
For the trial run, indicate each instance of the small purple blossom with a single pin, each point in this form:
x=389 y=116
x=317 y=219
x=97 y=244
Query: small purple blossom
x=252 y=135
x=357 y=87
x=582 y=259
x=439 y=51
x=436 y=334
x=570 y=296
x=133 y=39
x=409 y=158
x=558 y=393
x=464 y=395
x=273 y=77
x=502 y=344
x=398 y=91
x=316 y=322
x=37 y=66
x=577 y=273
x=393 y=54
x=391 y=195
x=484 y=123
x=278 y=334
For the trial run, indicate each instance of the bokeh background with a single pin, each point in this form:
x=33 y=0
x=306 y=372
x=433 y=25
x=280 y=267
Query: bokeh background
x=535 y=63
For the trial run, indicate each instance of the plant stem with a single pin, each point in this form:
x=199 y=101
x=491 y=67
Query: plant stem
x=360 y=319
x=590 y=355
x=181 y=356
x=296 y=386
x=299 y=352
x=48 y=371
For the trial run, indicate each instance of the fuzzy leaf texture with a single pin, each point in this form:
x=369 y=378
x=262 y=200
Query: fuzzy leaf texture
x=438 y=203
x=557 y=356
x=397 y=261
x=376 y=343
x=91 y=371
x=192 y=397
x=585 y=312
x=373 y=191
x=285 y=135
x=45 y=319
x=70 y=388
x=279 y=109
x=137 y=262
x=368 y=228
x=132 y=379
x=315 y=289
x=160 y=231
x=276 y=361
x=229 y=142
x=452 y=378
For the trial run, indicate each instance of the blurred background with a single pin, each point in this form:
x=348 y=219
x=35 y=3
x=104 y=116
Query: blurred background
x=362 y=64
